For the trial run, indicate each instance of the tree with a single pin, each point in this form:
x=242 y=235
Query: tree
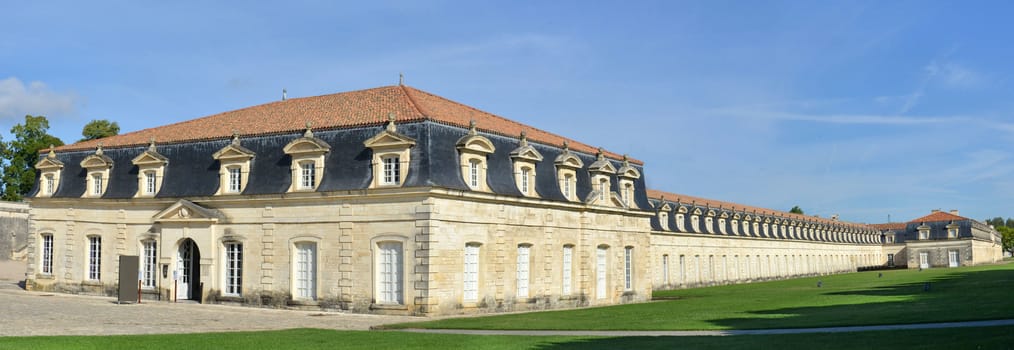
x=996 y=222
x=1008 y=238
x=796 y=210
x=22 y=153
x=1010 y=223
x=99 y=128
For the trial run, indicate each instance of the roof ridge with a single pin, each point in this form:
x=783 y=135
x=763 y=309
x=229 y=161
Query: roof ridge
x=745 y=208
x=412 y=101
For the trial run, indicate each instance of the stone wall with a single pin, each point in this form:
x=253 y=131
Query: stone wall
x=13 y=231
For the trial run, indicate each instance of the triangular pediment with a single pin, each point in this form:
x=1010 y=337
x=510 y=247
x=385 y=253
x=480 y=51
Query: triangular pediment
x=97 y=161
x=602 y=166
x=233 y=151
x=389 y=139
x=747 y=217
x=307 y=145
x=665 y=208
x=526 y=152
x=736 y=216
x=184 y=210
x=49 y=163
x=149 y=158
x=697 y=211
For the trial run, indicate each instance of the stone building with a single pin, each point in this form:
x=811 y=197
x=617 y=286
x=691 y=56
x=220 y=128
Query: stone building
x=395 y=200
x=13 y=231
x=940 y=239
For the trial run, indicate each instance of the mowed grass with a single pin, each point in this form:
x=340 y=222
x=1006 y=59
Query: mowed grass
x=964 y=338
x=866 y=298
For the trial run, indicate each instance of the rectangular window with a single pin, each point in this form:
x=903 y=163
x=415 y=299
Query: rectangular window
x=523 y=263
x=628 y=193
x=49 y=184
x=235 y=179
x=392 y=171
x=568 y=261
x=473 y=174
x=628 y=268
x=924 y=260
x=952 y=233
x=683 y=269
x=665 y=269
x=233 y=268
x=97 y=184
x=524 y=180
x=566 y=186
x=149 y=182
x=47 y=254
x=306 y=271
x=952 y=258
x=94 y=258
x=390 y=273
x=309 y=177
x=149 y=263
x=600 y=273
x=471 y=278
x=890 y=260
x=603 y=189
x=924 y=234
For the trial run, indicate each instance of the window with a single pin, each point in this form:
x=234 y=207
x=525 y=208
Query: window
x=233 y=268
x=952 y=232
x=47 y=254
x=568 y=261
x=149 y=182
x=600 y=272
x=392 y=172
x=390 y=269
x=308 y=178
x=523 y=266
x=628 y=194
x=952 y=258
x=473 y=174
x=924 y=234
x=97 y=184
x=628 y=268
x=50 y=184
x=567 y=186
x=306 y=271
x=525 y=174
x=149 y=263
x=663 y=220
x=94 y=258
x=683 y=269
x=603 y=189
x=235 y=180
x=471 y=278
x=665 y=269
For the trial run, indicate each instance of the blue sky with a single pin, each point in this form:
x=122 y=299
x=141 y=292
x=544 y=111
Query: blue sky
x=864 y=109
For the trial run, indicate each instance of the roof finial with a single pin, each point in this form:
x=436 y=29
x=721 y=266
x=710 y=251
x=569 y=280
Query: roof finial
x=151 y=144
x=308 y=133
x=626 y=160
x=471 y=127
x=52 y=154
x=390 y=122
x=401 y=79
x=524 y=138
x=566 y=146
x=235 y=137
x=600 y=155
x=285 y=95
x=98 y=150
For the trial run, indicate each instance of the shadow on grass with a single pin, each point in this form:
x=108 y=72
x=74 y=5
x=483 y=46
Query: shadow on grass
x=959 y=296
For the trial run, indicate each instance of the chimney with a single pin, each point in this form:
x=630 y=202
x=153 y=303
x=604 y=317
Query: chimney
x=954 y=212
x=935 y=211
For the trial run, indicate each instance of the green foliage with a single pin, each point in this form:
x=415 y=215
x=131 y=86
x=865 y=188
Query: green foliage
x=847 y=299
x=796 y=210
x=99 y=128
x=996 y=222
x=22 y=153
x=1008 y=237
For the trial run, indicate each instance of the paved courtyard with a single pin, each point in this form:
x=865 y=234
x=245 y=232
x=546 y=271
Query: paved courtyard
x=34 y=313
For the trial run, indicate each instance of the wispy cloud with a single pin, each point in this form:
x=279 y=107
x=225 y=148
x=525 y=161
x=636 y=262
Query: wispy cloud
x=954 y=75
x=872 y=119
x=18 y=99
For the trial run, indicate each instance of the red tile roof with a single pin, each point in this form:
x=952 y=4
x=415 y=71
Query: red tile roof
x=334 y=111
x=890 y=226
x=939 y=216
x=675 y=197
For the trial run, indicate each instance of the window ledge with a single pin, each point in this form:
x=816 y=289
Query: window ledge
x=91 y=283
x=388 y=307
x=44 y=276
x=303 y=302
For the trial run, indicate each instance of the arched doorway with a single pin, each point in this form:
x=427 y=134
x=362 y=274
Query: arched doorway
x=188 y=271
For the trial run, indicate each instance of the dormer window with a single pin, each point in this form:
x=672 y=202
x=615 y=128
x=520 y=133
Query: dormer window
x=525 y=158
x=663 y=220
x=234 y=167
x=151 y=168
x=391 y=156
x=50 y=168
x=952 y=230
x=734 y=224
x=721 y=225
x=603 y=188
x=627 y=175
x=923 y=231
x=567 y=164
x=307 y=154
x=473 y=173
x=97 y=166
x=709 y=225
x=601 y=173
x=568 y=186
x=695 y=223
x=473 y=150
x=681 y=222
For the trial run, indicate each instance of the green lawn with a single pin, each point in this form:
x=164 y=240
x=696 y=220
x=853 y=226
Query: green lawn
x=958 y=294
x=949 y=339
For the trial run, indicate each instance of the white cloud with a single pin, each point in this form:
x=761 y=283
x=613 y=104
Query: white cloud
x=872 y=119
x=18 y=99
x=954 y=75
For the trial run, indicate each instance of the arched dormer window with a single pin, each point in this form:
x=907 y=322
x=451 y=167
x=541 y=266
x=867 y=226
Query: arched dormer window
x=525 y=158
x=391 y=156
x=721 y=223
x=601 y=173
x=695 y=220
x=150 y=171
x=627 y=174
x=734 y=224
x=307 y=167
x=473 y=149
x=566 y=172
x=234 y=167
x=663 y=216
x=681 y=222
x=98 y=166
x=50 y=169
